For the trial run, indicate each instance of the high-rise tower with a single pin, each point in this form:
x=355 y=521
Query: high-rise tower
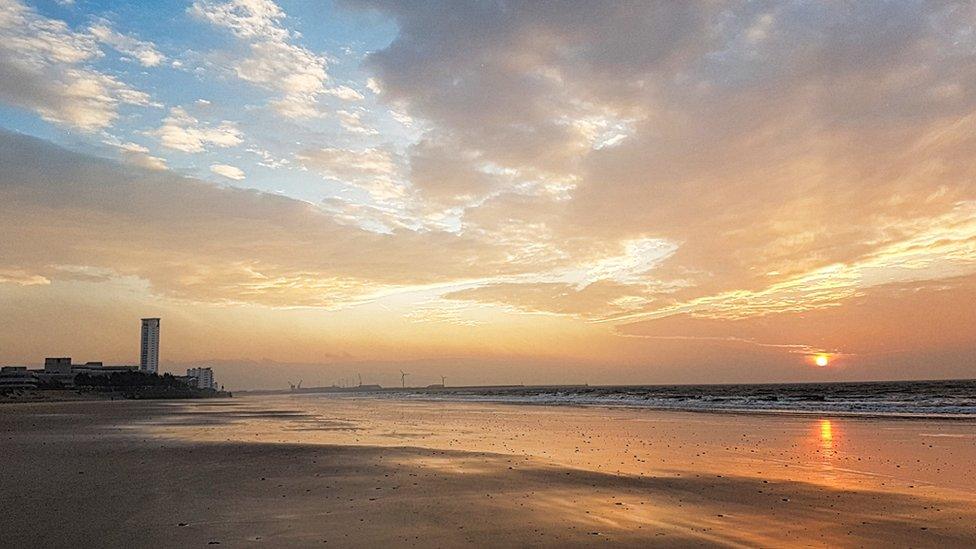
x=149 y=352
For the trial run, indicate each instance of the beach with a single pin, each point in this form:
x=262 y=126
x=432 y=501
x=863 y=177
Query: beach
x=318 y=470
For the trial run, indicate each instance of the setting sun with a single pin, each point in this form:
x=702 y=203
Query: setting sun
x=821 y=360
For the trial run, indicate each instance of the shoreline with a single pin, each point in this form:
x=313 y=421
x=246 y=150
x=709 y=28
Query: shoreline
x=354 y=389
x=745 y=412
x=74 y=395
x=909 y=400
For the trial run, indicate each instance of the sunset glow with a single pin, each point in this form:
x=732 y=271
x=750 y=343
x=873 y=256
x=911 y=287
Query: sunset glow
x=487 y=273
x=497 y=194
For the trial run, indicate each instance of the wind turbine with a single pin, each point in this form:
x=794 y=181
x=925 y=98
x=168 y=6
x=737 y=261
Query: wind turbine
x=403 y=379
x=360 y=376
x=443 y=381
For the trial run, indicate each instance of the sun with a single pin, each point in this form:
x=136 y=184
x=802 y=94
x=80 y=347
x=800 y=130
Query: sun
x=821 y=360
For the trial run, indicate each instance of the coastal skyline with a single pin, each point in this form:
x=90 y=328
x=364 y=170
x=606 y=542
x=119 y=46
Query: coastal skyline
x=502 y=192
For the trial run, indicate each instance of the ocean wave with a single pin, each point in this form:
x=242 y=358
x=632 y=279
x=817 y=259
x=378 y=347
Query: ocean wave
x=903 y=398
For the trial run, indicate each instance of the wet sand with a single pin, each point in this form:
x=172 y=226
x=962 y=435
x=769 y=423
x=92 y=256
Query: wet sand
x=310 y=470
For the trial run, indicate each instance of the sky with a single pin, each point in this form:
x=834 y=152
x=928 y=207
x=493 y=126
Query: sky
x=495 y=192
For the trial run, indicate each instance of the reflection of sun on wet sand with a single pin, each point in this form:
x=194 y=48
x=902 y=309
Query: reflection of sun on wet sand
x=826 y=438
x=299 y=471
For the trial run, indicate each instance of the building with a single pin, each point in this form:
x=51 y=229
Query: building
x=201 y=377
x=98 y=369
x=59 y=371
x=14 y=378
x=57 y=365
x=149 y=351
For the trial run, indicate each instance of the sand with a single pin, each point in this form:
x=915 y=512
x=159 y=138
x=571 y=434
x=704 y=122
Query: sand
x=300 y=471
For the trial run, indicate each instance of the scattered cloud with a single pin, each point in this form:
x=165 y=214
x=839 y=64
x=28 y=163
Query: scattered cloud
x=273 y=61
x=444 y=311
x=21 y=278
x=345 y=93
x=247 y=19
x=183 y=132
x=138 y=155
x=144 y=160
x=352 y=122
x=344 y=163
x=230 y=172
x=372 y=169
x=43 y=69
x=144 y=52
x=268 y=160
x=373 y=85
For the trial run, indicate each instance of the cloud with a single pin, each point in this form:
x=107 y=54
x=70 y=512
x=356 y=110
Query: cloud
x=146 y=161
x=295 y=72
x=605 y=286
x=442 y=311
x=21 y=278
x=686 y=175
x=248 y=19
x=597 y=300
x=345 y=93
x=268 y=160
x=183 y=132
x=138 y=155
x=272 y=61
x=196 y=241
x=944 y=247
x=773 y=145
x=230 y=172
x=192 y=240
x=42 y=69
x=518 y=82
x=447 y=176
x=373 y=85
x=885 y=320
x=352 y=122
x=372 y=169
x=144 y=52
x=344 y=163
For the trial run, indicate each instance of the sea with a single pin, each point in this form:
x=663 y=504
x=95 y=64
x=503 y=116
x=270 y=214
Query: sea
x=920 y=399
